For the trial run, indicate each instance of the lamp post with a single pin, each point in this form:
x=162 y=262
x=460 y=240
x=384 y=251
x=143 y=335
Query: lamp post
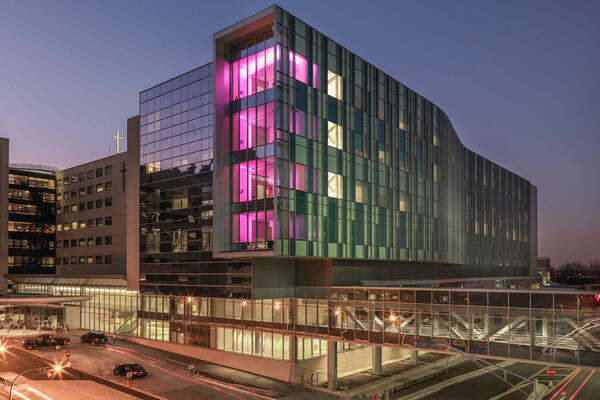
x=56 y=368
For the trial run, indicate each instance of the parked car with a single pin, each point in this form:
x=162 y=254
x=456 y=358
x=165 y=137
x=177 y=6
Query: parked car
x=94 y=338
x=137 y=371
x=45 y=340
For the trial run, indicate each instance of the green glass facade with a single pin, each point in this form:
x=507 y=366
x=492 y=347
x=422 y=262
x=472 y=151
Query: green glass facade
x=364 y=167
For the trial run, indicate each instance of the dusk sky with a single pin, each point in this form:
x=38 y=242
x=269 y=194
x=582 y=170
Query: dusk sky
x=520 y=81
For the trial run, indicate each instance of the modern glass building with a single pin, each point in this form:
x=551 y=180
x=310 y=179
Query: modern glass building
x=31 y=219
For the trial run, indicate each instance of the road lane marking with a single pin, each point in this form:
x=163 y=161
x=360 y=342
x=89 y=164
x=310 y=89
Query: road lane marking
x=560 y=390
x=580 y=386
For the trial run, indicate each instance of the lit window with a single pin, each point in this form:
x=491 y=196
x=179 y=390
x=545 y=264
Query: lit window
x=81 y=224
x=335 y=135
x=74 y=225
x=334 y=185
x=361 y=192
x=108 y=186
x=334 y=85
x=99 y=188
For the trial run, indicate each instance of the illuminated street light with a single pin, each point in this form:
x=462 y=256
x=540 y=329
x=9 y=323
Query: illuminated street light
x=2 y=349
x=392 y=317
x=244 y=303
x=56 y=368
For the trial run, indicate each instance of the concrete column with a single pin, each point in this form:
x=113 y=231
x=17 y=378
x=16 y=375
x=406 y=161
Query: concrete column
x=376 y=360
x=331 y=364
x=414 y=356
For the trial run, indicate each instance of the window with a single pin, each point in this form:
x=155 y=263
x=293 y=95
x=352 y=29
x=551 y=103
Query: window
x=82 y=191
x=108 y=202
x=301 y=178
x=90 y=205
x=99 y=241
x=73 y=242
x=82 y=177
x=98 y=259
x=57 y=260
x=99 y=203
x=90 y=241
x=90 y=190
x=335 y=136
x=90 y=174
x=99 y=188
x=65 y=244
x=361 y=192
x=65 y=195
x=74 y=225
x=90 y=259
x=73 y=194
x=58 y=196
x=74 y=207
x=81 y=260
x=65 y=209
x=99 y=222
x=108 y=185
x=107 y=259
x=81 y=242
x=334 y=85
x=334 y=185
x=73 y=260
x=81 y=206
x=59 y=226
x=66 y=180
x=65 y=226
x=107 y=240
x=107 y=170
x=98 y=172
x=74 y=179
x=65 y=260
x=82 y=224
x=108 y=221
x=90 y=223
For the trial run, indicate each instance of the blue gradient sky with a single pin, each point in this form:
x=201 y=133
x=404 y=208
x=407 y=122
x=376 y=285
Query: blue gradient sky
x=520 y=80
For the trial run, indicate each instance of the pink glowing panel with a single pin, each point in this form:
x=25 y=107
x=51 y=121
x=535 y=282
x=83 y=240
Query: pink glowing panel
x=252 y=177
x=251 y=74
x=243 y=224
x=243 y=186
x=298 y=67
x=260 y=72
x=243 y=84
x=269 y=68
x=251 y=227
x=315 y=72
x=270 y=226
x=243 y=135
x=270 y=123
x=270 y=177
x=260 y=227
x=251 y=127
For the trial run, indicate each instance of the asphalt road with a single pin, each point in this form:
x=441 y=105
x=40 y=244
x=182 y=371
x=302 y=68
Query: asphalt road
x=582 y=384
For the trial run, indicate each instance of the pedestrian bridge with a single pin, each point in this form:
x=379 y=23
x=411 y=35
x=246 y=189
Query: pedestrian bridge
x=558 y=327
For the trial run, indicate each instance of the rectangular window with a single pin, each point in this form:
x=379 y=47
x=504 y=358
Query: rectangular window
x=73 y=260
x=66 y=180
x=90 y=259
x=107 y=240
x=65 y=209
x=335 y=136
x=81 y=207
x=108 y=221
x=301 y=178
x=334 y=185
x=81 y=242
x=334 y=85
x=98 y=172
x=81 y=260
x=90 y=174
x=99 y=222
x=90 y=223
x=99 y=241
x=90 y=241
x=107 y=170
x=66 y=260
x=90 y=205
x=74 y=179
x=74 y=225
x=108 y=186
x=73 y=242
x=82 y=191
x=82 y=224
x=90 y=190
x=361 y=192
x=98 y=259
x=108 y=202
x=99 y=188
x=74 y=207
x=65 y=243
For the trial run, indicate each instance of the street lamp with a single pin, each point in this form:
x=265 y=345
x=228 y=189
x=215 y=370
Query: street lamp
x=56 y=368
x=2 y=349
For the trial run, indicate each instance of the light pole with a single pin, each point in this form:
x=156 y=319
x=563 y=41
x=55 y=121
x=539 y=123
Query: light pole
x=56 y=368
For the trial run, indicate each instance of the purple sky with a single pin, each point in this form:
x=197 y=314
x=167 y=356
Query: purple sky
x=520 y=81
